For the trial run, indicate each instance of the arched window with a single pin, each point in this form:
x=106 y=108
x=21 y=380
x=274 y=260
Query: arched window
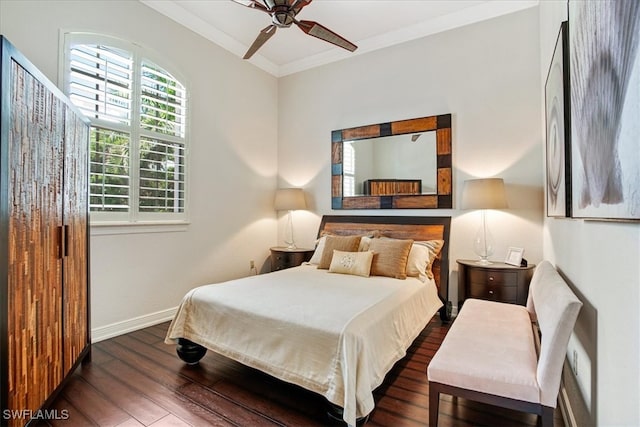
x=138 y=113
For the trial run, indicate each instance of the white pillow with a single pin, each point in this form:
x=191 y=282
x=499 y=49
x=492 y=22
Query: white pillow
x=364 y=243
x=317 y=255
x=421 y=258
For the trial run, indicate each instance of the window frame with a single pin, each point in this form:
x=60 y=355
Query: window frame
x=134 y=216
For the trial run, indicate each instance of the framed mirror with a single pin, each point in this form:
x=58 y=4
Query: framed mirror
x=404 y=164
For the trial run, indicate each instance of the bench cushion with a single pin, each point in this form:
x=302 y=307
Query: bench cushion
x=489 y=348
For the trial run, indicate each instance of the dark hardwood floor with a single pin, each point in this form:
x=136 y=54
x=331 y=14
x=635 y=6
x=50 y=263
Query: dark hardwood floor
x=137 y=380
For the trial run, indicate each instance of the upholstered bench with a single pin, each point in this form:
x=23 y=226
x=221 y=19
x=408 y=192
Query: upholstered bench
x=492 y=354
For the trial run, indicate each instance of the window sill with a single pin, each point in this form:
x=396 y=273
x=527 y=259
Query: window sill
x=107 y=228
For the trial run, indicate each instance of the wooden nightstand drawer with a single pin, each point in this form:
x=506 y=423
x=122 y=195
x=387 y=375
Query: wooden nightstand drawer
x=282 y=257
x=493 y=292
x=281 y=261
x=496 y=281
x=503 y=278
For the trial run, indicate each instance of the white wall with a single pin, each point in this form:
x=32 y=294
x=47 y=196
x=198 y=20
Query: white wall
x=602 y=262
x=232 y=160
x=485 y=74
x=489 y=75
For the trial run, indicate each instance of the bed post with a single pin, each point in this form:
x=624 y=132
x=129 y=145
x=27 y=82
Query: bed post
x=190 y=352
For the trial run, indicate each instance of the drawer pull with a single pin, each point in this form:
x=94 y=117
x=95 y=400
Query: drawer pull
x=490 y=292
x=491 y=278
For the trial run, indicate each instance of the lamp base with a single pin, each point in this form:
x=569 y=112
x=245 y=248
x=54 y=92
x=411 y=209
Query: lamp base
x=484 y=262
x=289 y=240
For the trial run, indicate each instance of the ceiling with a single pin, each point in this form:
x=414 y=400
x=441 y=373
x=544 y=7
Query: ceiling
x=370 y=24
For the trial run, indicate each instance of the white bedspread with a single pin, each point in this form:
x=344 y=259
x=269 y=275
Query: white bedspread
x=337 y=335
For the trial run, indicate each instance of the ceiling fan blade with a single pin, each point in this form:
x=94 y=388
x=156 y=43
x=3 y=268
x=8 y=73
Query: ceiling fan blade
x=316 y=30
x=262 y=38
x=298 y=5
x=253 y=4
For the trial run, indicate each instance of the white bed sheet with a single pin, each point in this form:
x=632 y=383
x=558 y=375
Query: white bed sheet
x=334 y=334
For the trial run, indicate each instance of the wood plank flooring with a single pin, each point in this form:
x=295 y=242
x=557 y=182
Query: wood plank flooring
x=137 y=380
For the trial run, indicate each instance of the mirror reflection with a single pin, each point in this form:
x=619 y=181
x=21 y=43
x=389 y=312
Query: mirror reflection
x=390 y=165
x=405 y=164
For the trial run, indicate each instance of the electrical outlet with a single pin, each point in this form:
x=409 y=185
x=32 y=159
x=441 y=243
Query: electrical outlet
x=575 y=363
x=252 y=264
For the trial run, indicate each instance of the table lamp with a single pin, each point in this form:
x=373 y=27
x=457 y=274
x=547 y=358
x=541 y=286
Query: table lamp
x=486 y=193
x=289 y=199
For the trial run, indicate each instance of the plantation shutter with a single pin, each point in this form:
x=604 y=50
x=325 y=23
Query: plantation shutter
x=162 y=148
x=100 y=85
x=349 y=169
x=138 y=135
x=101 y=82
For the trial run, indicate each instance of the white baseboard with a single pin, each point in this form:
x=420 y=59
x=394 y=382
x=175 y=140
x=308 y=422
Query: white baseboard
x=119 y=328
x=570 y=401
x=565 y=407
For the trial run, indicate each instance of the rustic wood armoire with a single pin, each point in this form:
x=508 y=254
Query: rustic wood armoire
x=44 y=277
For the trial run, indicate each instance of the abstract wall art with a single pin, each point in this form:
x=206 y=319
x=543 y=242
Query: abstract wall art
x=604 y=47
x=558 y=132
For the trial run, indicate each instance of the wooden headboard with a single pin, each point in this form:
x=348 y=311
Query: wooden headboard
x=418 y=228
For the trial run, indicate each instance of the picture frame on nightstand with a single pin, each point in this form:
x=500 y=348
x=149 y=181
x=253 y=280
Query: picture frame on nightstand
x=514 y=256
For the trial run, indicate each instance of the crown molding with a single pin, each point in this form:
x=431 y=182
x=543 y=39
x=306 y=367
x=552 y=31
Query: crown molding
x=481 y=12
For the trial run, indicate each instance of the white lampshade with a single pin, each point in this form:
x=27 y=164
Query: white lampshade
x=289 y=199
x=485 y=193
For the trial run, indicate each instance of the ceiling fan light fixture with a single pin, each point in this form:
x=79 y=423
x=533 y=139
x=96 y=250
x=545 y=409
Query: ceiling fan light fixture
x=282 y=19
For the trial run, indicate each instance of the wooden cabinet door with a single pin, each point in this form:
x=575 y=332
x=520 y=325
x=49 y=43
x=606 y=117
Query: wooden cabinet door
x=75 y=269
x=34 y=242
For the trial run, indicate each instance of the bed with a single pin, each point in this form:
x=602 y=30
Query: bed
x=334 y=334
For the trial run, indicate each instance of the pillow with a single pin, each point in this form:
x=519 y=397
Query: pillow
x=390 y=257
x=317 y=255
x=366 y=240
x=356 y=263
x=421 y=258
x=340 y=243
x=363 y=246
x=364 y=243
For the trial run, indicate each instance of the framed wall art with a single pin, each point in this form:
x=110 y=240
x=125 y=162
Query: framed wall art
x=604 y=39
x=558 y=132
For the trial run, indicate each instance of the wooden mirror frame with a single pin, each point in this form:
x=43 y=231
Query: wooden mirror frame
x=441 y=200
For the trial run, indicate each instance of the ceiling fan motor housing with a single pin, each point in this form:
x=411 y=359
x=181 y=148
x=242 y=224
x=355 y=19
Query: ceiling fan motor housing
x=282 y=16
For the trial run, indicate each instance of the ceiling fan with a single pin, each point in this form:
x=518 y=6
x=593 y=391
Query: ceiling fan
x=283 y=15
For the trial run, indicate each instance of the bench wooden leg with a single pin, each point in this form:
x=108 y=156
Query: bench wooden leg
x=547 y=416
x=434 y=404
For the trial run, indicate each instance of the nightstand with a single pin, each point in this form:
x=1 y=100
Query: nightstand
x=283 y=257
x=496 y=282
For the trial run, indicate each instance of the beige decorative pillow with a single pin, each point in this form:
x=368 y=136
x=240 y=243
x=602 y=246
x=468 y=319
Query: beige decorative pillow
x=363 y=246
x=340 y=243
x=356 y=263
x=390 y=257
x=421 y=258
